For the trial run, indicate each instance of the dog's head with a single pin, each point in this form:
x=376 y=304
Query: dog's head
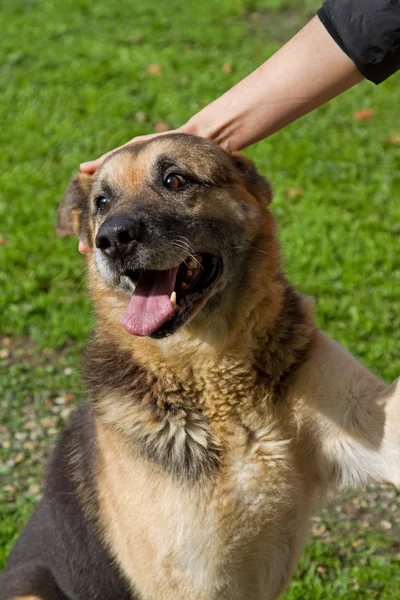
x=178 y=234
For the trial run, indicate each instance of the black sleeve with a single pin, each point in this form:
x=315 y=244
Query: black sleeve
x=368 y=31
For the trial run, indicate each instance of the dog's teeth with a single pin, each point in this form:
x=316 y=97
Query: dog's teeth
x=173 y=299
x=189 y=274
x=192 y=263
x=184 y=285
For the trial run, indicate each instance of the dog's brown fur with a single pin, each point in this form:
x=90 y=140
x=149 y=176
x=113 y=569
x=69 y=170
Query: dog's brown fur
x=210 y=448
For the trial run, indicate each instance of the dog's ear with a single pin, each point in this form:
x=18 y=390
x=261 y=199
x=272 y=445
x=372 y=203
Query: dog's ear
x=73 y=212
x=255 y=183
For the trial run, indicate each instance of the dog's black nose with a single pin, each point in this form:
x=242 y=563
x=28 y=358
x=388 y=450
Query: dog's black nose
x=118 y=236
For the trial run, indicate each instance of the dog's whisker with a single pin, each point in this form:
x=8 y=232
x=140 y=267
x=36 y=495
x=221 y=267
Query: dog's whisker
x=271 y=254
x=187 y=243
x=179 y=246
x=190 y=255
x=82 y=279
x=185 y=240
x=265 y=252
x=197 y=260
x=183 y=244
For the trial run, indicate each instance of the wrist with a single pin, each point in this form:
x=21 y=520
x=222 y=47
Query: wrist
x=212 y=124
x=192 y=127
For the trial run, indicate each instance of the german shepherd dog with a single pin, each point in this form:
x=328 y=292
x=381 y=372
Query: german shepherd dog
x=218 y=413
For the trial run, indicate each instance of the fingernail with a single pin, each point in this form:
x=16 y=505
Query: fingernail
x=82 y=248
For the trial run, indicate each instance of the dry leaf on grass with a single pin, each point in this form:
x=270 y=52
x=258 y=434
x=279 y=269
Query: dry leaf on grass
x=227 y=67
x=161 y=126
x=392 y=140
x=3 y=241
x=136 y=40
x=318 y=530
x=140 y=116
x=153 y=69
x=69 y=397
x=363 y=114
x=255 y=16
x=293 y=193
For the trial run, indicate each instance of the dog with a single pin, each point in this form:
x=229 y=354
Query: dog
x=218 y=413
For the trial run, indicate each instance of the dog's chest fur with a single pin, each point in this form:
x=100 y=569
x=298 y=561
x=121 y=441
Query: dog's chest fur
x=208 y=531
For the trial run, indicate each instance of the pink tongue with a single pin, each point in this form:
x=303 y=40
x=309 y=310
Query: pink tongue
x=150 y=305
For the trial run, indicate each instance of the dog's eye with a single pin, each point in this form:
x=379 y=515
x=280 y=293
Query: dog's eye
x=174 y=181
x=102 y=203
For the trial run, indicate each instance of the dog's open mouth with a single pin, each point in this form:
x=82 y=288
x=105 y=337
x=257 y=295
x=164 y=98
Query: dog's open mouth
x=164 y=300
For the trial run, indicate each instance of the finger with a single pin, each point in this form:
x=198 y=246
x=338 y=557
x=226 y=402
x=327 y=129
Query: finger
x=82 y=248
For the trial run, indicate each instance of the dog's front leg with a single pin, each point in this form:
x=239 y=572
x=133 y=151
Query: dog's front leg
x=351 y=419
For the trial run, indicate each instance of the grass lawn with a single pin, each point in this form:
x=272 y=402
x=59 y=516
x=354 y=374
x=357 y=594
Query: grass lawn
x=77 y=79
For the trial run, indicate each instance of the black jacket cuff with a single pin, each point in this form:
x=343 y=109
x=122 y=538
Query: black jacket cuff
x=368 y=31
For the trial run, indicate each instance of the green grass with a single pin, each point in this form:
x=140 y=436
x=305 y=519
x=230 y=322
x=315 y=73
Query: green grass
x=73 y=79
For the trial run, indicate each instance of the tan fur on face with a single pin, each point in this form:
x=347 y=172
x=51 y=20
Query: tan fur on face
x=215 y=444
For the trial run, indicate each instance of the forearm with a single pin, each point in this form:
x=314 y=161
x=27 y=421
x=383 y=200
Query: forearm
x=304 y=74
